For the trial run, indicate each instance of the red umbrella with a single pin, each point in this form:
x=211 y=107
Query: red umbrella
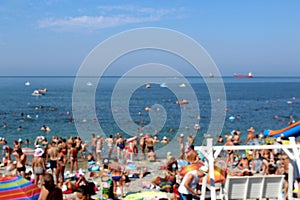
x=220 y=174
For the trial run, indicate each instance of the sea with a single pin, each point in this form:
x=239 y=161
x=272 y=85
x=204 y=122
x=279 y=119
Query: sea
x=258 y=102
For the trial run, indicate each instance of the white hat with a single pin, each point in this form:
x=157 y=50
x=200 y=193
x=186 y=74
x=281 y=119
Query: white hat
x=181 y=135
x=278 y=139
x=165 y=138
x=20 y=140
x=204 y=169
x=250 y=152
x=38 y=152
x=141 y=134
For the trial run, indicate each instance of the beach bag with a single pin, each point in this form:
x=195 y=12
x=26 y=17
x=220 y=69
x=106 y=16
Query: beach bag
x=107 y=189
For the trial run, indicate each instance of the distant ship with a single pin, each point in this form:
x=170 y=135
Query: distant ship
x=243 y=76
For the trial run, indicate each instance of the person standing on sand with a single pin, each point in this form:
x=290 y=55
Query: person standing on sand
x=192 y=156
x=190 y=139
x=21 y=162
x=181 y=146
x=73 y=157
x=117 y=170
x=188 y=186
x=143 y=145
x=93 y=145
x=149 y=142
x=285 y=171
x=251 y=135
x=229 y=153
x=61 y=163
x=52 y=154
x=99 y=147
x=110 y=143
x=38 y=165
x=120 y=146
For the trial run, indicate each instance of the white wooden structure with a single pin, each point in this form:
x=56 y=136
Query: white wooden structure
x=253 y=187
x=212 y=152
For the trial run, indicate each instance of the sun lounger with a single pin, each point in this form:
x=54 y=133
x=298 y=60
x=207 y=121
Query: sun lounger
x=253 y=187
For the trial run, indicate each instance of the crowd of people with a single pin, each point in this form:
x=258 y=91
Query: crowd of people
x=51 y=158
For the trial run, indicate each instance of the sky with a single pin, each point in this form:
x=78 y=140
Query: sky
x=53 y=37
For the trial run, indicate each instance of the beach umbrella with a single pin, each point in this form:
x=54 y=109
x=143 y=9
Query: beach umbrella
x=189 y=168
x=28 y=151
x=18 y=188
x=219 y=173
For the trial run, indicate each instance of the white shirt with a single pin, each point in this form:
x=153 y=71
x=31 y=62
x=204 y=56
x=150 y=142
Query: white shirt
x=193 y=184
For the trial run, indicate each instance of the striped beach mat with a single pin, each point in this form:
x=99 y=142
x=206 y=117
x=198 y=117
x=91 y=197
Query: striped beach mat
x=18 y=188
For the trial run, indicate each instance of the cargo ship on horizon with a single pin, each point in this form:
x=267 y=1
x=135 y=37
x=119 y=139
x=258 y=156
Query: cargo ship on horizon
x=250 y=75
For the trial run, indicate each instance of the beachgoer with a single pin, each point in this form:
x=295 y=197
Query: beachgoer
x=49 y=191
x=188 y=186
x=192 y=156
x=61 y=164
x=229 y=153
x=82 y=193
x=251 y=135
x=110 y=143
x=143 y=145
x=236 y=138
x=73 y=158
x=220 y=139
x=171 y=165
x=135 y=147
x=149 y=142
x=86 y=185
x=120 y=146
x=21 y=162
x=52 y=154
x=285 y=171
x=244 y=163
x=38 y=165
x=190 y=139
x=151 y=156
x=93 y=145
x=99 y=147
x=165 y=140
x=181 y=145
x=117 y=170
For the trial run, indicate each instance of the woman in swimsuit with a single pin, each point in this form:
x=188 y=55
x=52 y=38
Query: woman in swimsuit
x=61 y=163
x=38 y=165
x=21 y=161
x=117 y=169
x=73 y=157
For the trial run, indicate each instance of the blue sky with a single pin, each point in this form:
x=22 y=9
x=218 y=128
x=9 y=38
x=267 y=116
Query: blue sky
x=53 y=37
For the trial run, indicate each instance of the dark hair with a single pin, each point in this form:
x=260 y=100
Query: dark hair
x=19 y=151
x=87 y=190
x=49 y=181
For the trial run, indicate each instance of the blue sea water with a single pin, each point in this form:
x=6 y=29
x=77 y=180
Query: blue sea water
x=255 y=100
